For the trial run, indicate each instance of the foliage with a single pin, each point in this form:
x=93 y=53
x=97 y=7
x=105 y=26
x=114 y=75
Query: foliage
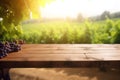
x=106 y=32
x=13 y=12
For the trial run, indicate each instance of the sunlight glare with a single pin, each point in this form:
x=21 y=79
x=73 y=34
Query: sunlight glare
x=71 y=8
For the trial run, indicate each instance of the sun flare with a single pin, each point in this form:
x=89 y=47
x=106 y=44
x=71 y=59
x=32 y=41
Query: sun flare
x=71 y=8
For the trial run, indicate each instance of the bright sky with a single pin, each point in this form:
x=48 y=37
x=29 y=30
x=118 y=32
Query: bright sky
x=70 y=8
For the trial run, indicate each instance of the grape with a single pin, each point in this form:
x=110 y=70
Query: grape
x=8 y=47
x=1 y=53
x=15 y=47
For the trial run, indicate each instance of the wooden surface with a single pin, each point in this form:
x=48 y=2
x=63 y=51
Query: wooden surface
x=63 y=55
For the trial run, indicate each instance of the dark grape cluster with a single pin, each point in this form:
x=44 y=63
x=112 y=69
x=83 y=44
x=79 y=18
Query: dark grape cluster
x=9 y=47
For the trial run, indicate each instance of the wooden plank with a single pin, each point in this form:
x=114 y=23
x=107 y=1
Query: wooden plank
x=63 y=56
x=45 y=55
x=59 y=64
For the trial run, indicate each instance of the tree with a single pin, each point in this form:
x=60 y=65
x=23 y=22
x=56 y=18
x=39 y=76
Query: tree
x=105 y=14
x=80 y=18
x=14 y=11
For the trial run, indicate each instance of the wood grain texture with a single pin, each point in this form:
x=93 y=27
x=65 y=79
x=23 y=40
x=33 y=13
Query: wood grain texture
x=63 y=55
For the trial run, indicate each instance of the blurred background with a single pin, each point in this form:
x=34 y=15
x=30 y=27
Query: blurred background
x=61 y=22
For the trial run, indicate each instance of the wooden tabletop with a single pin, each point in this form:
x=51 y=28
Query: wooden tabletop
x=63 y=55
